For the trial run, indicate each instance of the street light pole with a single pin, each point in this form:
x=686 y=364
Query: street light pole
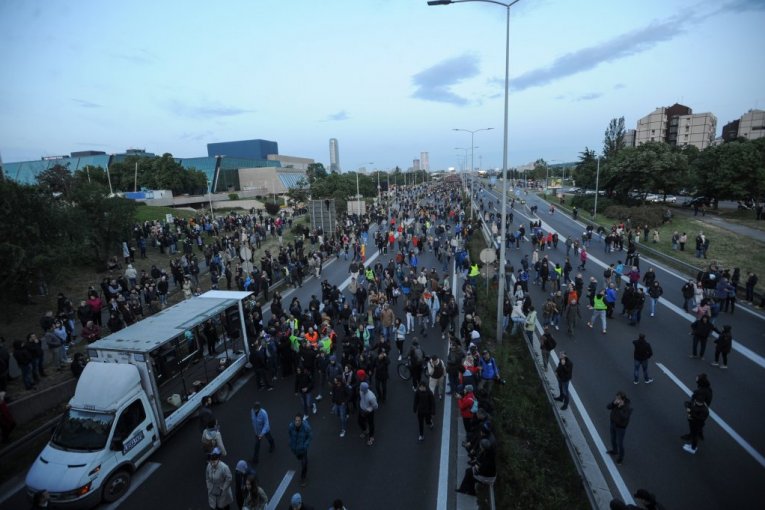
x=472 y=160
x=502 y=253
x=597 y=182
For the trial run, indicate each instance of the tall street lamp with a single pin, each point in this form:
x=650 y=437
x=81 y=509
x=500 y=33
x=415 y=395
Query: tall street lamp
x=597 y=182
x=502 y=261
x=472 y=160
x=464 y=169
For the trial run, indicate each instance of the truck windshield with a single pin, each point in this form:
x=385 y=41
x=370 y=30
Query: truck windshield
x=83 y=430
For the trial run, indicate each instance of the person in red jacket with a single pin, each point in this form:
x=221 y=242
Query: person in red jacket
x=466 y=401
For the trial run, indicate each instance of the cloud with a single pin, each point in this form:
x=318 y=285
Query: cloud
x=341 y=115
x=434 y=83
x=137 y=56
x=743 y=6
x=205 y=111
x=625 y=45
x=589 y=96
x=619 y=86
x=86 y=104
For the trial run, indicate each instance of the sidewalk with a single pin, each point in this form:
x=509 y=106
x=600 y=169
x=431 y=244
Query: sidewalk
x=717 y=221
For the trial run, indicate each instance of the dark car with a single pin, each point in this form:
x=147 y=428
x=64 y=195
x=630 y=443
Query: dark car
x=698 y=202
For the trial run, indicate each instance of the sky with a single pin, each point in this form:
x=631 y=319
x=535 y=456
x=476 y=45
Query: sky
x=388 y=78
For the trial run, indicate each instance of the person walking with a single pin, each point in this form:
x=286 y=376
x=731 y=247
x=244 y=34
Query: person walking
x=213 y=440
x=488 y=370
x=723 y=345
x=218 y=479
x=436 y=371
x=367 y=407
x=529 y=324
x=424 y=407
x=340 y=395
x=599 y=310
x=564 y=372
x=304 y=388
x=454 y=365
x=300 y=436
x=642 y=352
x=698 y=412
x=572 y=315
x=620 y=418
x=254 y=497
x=700 y=331
x=654 y=293
x=262 y=428
x=546 y=344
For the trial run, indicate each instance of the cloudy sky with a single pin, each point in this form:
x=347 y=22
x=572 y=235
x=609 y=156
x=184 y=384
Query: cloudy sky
x=387 y=78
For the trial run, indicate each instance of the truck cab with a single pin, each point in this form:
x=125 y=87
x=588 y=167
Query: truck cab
x=105 y=433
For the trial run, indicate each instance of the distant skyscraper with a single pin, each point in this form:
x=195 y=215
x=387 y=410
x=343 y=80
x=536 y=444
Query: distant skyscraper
x=416 y=164
x=424 y=162
x=334 y=155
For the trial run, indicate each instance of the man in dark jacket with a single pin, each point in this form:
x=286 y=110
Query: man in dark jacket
x=641 y=354
x=620 y=418
x=300 y=440
x=700 y=330
x=723 y=345
x=564 y=371
x=424 y=407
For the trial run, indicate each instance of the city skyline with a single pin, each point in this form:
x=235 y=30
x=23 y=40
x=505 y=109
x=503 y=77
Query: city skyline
x=180 y=85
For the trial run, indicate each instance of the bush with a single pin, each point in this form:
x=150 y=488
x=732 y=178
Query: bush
x=299 y=229
x=645 y=215
x=233 y=196
x=272 y=208
x=587 y=202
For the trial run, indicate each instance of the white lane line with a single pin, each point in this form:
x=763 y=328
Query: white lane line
x=616 y=476
x=743 y=443
x=738 y=347
x=10 y=489
x=442 y=498
x=279 y=492
x=143 y=474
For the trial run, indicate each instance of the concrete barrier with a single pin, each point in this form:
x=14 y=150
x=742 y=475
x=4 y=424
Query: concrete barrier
x=36 y=404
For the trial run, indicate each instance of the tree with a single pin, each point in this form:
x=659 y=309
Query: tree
x=585 y=169
x=91 y=174
x=540 y=170
x=315 y=171
x=57 y=179
x=614 y=138
x=731 y=171
x=299 y=193
x=652 y=167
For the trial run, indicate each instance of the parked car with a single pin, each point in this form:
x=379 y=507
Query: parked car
x=697 y=202
x=573 y=190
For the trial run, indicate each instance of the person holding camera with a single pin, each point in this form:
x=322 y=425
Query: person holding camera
x=564 y=371
x=620 y=418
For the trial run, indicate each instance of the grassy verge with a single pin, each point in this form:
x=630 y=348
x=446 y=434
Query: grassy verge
x=151 y=213
x=746 y=218
x=727 y=248
x=535 y=470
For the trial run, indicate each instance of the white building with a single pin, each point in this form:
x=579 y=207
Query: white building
x=334 y=155
x=677 y=125
x=424 y=161
x=752 y=125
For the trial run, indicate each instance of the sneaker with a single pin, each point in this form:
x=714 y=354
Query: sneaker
x=648 y=381
x=270 y=388
x=313 y=408
x=557 y=328
x=420 y=438
x=635 y=382
x=690 y=449
x=589 y=325
x=651 y=315
x=604 y=331
x=715 y=364
x=371 y=441
x=342 y=433
x=399 y=357
x=692 y=356
x=318 y=398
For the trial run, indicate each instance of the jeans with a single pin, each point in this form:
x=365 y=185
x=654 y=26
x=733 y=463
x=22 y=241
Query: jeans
x=26 y=374
x=598 y=314
x=703 y=342
x=689 y=303
x=341 y=410
x=652 y=304
x=303 y=458
x=422 y=419
x=563 y=392
x=638 y=365
x=307 y=399
x=530 y=335
x=256 y=452
x=617 y=441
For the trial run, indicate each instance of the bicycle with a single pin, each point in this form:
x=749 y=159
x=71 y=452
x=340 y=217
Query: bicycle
x=404 y=369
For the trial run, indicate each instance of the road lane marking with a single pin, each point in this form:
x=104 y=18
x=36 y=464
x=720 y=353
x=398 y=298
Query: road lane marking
x=11 y=489
x=442 y=498
x=743 y=443
x=143 y=474
x=279 y=492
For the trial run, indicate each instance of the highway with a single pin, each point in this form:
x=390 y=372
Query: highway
x=728 y=469
x=397 y=472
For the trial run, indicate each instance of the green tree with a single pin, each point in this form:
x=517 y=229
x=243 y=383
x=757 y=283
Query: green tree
x=652 y=167
x=540 y=170
x=585 y=169
x=731 y=171
x=613 y=141
x=92 y=174
x=300 y=192
x=56 y=179
x=315 y=171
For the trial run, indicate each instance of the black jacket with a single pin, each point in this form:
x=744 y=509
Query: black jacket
x=424 y=402
x=620 y=415
x=643 y=349
x=565 y=371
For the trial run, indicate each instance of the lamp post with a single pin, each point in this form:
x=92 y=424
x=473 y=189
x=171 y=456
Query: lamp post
x=502 y=261
x=108 y=175
x=467 y=176
x=209 y=196
x=472 y=160
x=597 y=181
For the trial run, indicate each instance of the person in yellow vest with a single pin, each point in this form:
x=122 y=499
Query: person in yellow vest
x=599 y=310
x=370 y=274
x=473 y=274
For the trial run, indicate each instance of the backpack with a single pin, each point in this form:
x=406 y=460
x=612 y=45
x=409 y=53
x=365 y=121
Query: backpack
x=607 y=273
x=208 y=443
x=438 y=371
x=474 y=407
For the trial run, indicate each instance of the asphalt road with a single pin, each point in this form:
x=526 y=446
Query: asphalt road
x=728 y=469
x=397 y=472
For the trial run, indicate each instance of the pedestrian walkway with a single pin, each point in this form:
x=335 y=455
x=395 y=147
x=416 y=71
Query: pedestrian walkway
x=717 y=221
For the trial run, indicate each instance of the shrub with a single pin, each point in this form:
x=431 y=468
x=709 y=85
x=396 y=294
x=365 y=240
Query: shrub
x=233 y=196
x=299 y=229
x=272 y=208
x=644 y=215
x=587 y=202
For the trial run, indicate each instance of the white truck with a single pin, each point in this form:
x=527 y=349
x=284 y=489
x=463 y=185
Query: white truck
x=140 y=385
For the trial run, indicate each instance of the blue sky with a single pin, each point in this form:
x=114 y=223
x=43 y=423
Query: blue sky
x=387 y=78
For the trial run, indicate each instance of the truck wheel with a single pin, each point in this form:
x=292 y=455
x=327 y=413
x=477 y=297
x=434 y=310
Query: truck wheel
x=223 y=392
x=116 y=485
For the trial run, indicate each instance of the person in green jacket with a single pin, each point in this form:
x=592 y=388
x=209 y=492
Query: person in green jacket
x=599 y=310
